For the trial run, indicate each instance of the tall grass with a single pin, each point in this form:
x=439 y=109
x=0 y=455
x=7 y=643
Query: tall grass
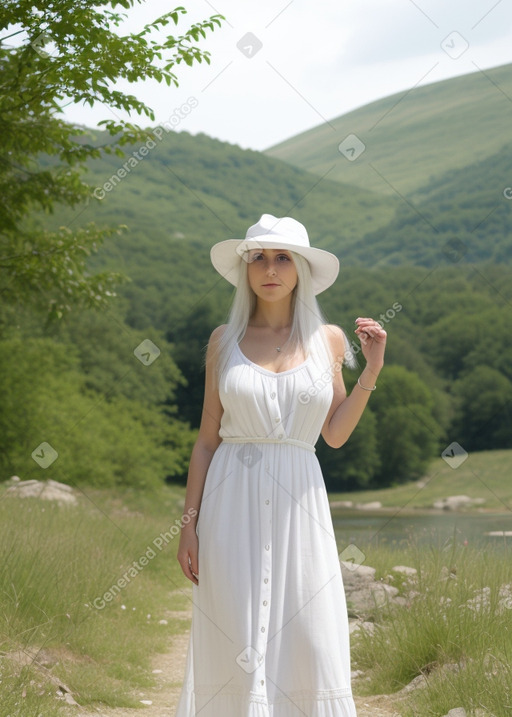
x=456 y=630
x=56 y=563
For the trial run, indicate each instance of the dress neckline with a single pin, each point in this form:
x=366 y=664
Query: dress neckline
x=268 y=371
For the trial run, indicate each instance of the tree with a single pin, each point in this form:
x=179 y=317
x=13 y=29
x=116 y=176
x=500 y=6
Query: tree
x=67 y=51
x=484 y=415
x=408 y=432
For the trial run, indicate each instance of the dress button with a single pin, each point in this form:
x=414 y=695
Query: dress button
x=265 y=580
x=267 y=502
x=280 y=435
x=272 y=395
x=262 y=682
x=267 y=547
x=262 y=629
x=277 y=419
x=265 y=602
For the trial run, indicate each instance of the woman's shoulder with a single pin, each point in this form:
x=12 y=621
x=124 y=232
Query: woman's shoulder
x=218 y=333
x=334 y=335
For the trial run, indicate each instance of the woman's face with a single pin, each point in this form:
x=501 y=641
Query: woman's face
x=271 y=273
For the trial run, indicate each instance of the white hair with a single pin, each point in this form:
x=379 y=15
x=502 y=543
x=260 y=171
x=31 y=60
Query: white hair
x=306 y=333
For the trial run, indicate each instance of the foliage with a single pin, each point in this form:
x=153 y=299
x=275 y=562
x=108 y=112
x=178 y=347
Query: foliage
x=68 y=53
x=452 y=629
x=109 y=426
x=53 y=608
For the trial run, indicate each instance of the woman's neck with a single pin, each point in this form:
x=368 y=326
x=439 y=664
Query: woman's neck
x=276 y=315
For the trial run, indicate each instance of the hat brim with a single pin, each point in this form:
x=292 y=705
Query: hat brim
x=226 y=257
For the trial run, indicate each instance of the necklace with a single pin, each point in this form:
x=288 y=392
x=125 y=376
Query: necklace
x=278 y=348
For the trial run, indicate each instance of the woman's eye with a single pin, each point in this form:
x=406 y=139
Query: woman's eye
x=283 y=256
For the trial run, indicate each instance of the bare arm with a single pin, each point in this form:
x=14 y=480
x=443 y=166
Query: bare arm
x=346 y=411
x=205 y=446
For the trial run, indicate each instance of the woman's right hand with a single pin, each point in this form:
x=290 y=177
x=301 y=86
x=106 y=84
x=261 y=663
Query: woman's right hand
x=188 y=551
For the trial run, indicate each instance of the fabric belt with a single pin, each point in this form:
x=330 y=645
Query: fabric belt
x=257 y=439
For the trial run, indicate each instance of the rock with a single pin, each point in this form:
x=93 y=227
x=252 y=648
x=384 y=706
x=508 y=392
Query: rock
x=416 y=683
x=342 y=504
x=457 y=712
x=357 y=625
x=373 y=505
x=46 y=490
x=456 y=502
x=500 y=533
x=361 y=589
x=15 y=479
x=353 y=573
x=405 y=570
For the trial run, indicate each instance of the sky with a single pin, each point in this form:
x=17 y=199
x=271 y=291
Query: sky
x=281 y=67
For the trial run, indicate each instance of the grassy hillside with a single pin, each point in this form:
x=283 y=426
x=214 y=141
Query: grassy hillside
x=463 y=215
x=188 y=193
x=413 y=136
x=485 y=474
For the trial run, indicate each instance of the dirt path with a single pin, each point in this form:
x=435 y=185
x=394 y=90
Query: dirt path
x=164 y=697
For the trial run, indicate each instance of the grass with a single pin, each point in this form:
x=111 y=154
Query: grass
x=411 y=136
x=57 y=569
x=59 y=562
x=455 y=630
x=485 y=474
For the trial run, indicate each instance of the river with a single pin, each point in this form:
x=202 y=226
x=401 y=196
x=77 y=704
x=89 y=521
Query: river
x=436 y=528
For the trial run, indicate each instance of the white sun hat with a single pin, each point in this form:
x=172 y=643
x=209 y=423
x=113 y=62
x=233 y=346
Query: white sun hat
x=274 y=233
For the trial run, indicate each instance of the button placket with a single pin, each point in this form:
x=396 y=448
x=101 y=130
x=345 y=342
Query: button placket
x=266 y=501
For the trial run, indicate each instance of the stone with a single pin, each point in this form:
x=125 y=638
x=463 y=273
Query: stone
x=342 y=504
x=457 y=712
x=362 y=591
x=358 y=625
x=456 y=502
x=405 y=570
x=416 y=683
x=372 y=505
x=45 y=490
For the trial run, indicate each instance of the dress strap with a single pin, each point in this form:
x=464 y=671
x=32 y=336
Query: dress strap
x=258 y=439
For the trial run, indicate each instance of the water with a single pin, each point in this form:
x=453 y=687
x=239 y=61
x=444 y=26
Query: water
x=428 y=529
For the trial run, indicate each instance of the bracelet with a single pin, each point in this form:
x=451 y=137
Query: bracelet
x=364 y=387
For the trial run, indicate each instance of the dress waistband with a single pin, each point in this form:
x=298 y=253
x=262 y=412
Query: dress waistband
x=257 y=439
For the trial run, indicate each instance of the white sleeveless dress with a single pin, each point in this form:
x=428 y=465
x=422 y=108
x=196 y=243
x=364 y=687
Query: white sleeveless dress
x=269 y=634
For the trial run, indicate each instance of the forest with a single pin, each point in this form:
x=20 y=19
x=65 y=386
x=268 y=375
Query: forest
x=105 y=238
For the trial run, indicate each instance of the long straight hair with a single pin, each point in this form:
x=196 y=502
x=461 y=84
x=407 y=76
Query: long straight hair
x=306 y=333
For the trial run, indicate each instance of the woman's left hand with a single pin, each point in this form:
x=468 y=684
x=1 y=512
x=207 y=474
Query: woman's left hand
x=373 y=341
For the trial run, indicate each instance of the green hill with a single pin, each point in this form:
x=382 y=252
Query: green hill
x=189 y=192
x=411 y=137
x=465 y=215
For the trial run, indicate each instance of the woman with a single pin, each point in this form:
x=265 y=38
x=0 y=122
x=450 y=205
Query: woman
x=269 y=631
